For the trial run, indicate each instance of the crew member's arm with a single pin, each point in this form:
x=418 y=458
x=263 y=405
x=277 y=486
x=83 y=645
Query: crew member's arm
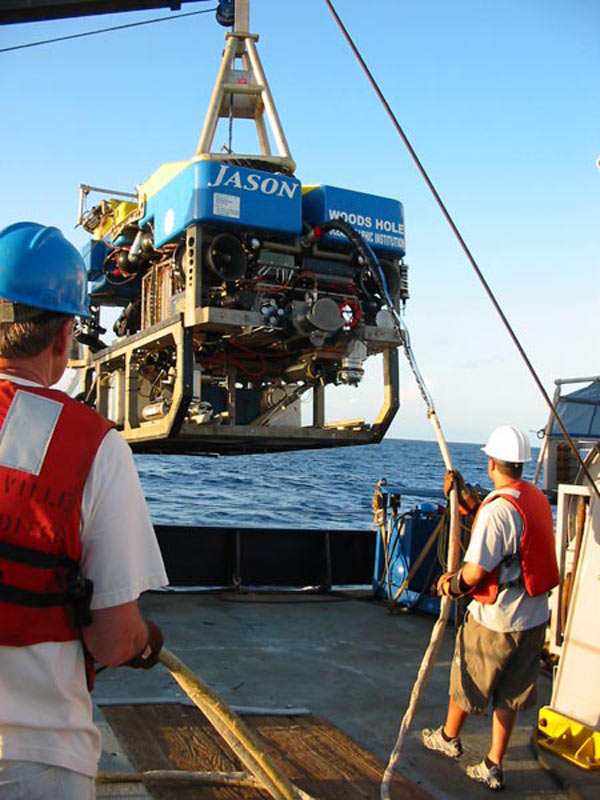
x=462 y=582
x=468 y=497
x=119 y=634
x=486 y=547
x=472 y=574
x=120 y=555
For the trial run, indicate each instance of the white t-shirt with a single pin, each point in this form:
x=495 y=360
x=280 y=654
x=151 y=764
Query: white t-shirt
x=45 y=707
x=495 y=535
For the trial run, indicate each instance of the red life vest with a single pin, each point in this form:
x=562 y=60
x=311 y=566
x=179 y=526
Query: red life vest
x=536 y=550
x=40 y=546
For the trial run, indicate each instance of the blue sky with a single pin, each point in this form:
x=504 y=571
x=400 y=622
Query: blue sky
x=500 y=100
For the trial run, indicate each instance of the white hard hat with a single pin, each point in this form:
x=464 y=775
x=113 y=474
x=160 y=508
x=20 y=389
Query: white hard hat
x=509 y=444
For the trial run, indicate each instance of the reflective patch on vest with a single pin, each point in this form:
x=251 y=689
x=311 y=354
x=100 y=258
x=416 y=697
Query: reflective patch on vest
x=27 y=431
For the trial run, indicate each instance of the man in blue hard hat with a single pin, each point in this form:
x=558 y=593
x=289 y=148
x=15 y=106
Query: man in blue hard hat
x=508 y=570
x=77 y=547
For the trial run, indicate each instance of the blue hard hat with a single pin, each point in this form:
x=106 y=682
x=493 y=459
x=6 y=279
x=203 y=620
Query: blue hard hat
x=40 y=268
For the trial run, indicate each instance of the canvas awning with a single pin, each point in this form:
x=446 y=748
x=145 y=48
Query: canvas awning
x=580 y=413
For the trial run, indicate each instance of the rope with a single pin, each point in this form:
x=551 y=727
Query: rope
x=234 y=731
x=430 y=656
x=181 y=776
x=437 y=633
x=435 y=642
x=463 y=245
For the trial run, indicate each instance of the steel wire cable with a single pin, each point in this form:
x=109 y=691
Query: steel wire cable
x=108 y=30
x=462 y=244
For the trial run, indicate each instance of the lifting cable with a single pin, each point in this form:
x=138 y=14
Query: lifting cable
x=367 y=255
x=108 y=30
x=453 y=544
x=464 y=247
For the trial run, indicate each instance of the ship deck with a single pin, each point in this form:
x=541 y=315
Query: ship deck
x=330 y=675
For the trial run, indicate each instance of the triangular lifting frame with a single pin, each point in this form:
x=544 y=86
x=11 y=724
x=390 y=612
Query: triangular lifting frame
x=244 y=94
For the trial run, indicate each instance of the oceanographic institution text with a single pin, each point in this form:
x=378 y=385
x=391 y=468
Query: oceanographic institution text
x=375 y=230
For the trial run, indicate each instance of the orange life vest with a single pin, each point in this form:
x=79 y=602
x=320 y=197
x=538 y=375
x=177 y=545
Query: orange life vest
x=41 y=584
x=536 y=550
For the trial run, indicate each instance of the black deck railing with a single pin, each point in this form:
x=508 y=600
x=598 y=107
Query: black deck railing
x=278 y=557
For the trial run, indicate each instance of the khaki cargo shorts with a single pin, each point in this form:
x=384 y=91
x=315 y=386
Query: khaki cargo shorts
x=501 y=667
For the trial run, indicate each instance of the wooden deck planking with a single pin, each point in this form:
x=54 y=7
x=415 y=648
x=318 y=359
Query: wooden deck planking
x=172 y=736
x=312 y=752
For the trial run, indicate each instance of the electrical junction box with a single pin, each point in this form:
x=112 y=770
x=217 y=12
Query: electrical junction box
x=379 y=220
x=210 y=192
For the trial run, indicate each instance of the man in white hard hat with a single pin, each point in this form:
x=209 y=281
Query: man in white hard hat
x=77 y=547
x=508 y=570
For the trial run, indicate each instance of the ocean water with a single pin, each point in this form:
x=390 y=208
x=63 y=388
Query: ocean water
x=312 y=489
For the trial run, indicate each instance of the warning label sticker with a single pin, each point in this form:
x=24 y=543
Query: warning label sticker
x=226 y=205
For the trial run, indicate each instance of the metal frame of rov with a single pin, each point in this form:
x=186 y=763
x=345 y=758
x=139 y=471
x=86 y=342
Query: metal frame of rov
x=213 y=365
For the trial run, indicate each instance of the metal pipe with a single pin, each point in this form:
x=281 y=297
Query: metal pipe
x=87 y=189
x=84 y=190
x=268 y=101
x=547 y=429
x=242 y=16
x=214 y=107
x=560 y=381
